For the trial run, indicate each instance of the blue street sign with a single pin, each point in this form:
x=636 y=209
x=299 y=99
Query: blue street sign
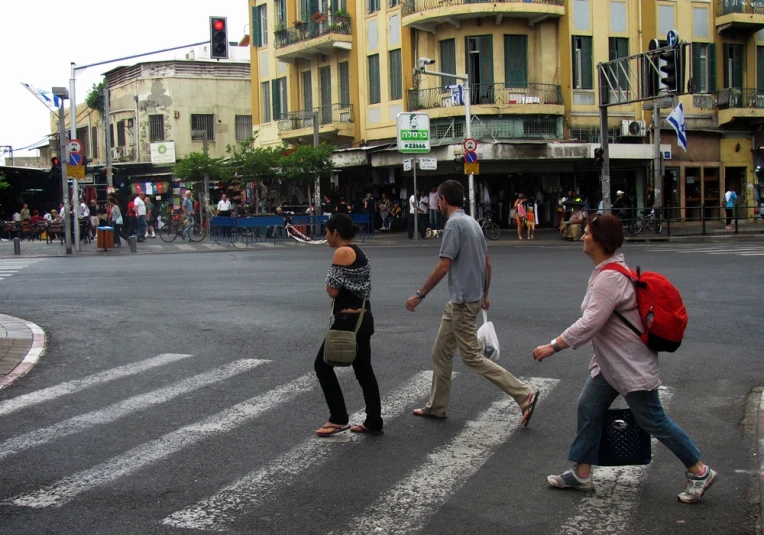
x=75 y=158
x=672 y=38
x=470 y=156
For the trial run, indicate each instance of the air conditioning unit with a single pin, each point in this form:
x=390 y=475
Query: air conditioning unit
x=127 y=152
x=633 y=129
x=116 y=153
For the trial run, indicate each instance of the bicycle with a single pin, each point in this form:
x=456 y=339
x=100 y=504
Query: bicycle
x=171 y=230
x=490 y=229
x=649 y=222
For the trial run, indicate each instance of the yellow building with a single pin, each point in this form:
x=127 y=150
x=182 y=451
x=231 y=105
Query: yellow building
x=532 y=66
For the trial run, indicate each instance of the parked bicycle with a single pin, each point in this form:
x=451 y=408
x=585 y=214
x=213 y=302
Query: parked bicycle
x=171 y=230
x=490 y=229
x=649 y=222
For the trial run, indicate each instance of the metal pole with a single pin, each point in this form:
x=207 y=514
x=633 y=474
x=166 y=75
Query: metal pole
x=416 y=202
x=203 y=204
x=606 y=159
x=64 y=181
x=317 y=187
x=468 y=130
x=107 y=135
x=73 y=135
x=657 y=174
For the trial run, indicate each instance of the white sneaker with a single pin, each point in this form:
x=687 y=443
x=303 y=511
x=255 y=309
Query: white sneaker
x=571 y=480
x=696 y=486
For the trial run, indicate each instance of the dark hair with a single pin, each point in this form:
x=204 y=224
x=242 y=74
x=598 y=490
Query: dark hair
x=453 y=192
x=607 y=230
x=343 y=224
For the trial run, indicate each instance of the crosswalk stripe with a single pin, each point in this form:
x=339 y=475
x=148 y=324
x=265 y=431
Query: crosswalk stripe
x=53 y=392
x=68 y=488
x=408 y=505
x=185 y=247
x=751 y=254
x=214 y=512
x=611 y=510
x=112 y=413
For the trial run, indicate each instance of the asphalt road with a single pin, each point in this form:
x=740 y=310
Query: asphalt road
x=177 y=394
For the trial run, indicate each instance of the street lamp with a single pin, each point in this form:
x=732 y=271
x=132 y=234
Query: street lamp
x=421 y=68
x=63 y=94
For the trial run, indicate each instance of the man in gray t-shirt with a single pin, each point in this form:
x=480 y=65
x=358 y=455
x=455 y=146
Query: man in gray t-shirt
x=464 y=256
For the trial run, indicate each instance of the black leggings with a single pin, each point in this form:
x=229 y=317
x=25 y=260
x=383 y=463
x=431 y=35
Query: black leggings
x=363 y=373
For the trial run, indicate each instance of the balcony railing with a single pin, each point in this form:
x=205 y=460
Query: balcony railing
x=319 y=24
x=499 y=94
x=736 y=97
x=415 y=6
x=330 y=114
x=727 y=7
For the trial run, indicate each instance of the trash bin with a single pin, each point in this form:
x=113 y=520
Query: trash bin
x=105 y=239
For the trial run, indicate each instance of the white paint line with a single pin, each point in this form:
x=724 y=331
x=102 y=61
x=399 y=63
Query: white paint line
x=13 y=326
x=185 y=247
x=406 y=508
x=611 y=508
x=53 y=392
x=68 y=488
x=751 y=254
x=215 y=512
x=119 y=410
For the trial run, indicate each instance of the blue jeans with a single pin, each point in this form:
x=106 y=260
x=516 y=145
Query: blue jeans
x=188 y=226
x=141 y=226
x=597 y=396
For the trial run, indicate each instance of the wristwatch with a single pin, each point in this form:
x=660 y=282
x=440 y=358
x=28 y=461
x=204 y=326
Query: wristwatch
x=555 y=345
x=420 y=295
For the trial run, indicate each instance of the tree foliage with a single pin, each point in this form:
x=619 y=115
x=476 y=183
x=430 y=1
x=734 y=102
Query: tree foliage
x=3 y=183
x=95 y=99
x=196 y=165
x=252 y=163
x=305 y=162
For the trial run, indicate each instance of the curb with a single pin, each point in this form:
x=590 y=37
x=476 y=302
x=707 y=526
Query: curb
x=760 y=437
x=33 y=355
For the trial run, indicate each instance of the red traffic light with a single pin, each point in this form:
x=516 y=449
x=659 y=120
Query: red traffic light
x=55 y=161
x=218 y=24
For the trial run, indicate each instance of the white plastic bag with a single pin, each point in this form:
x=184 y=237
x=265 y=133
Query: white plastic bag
x=489 y=342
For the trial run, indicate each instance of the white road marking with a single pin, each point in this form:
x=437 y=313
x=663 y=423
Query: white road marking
x=68 y=488
x=123 y=408
x=408 y=505
x=185 y=247
x=611 y=507
x=53 y=392
x=751 y=254
x=215 y=512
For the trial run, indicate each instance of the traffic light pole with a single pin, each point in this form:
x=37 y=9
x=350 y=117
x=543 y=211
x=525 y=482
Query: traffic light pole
x=657 y=174
x=64 y=180
x=73 y=135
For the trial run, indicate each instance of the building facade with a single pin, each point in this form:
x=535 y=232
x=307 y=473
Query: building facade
x=532 y=66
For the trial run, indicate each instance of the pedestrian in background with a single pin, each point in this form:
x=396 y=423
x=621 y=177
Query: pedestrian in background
x=519 y=214
x=187 y=208
x=140 y=214
x=464 y=257
x=729 y=205
x=432 y=207
x=621 y=365
x=348 y=283
x=116 y=220
x=151 y=215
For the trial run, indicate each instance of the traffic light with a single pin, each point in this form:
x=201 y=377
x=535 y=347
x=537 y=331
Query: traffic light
x=218 y=38
x=599 y=156
x=55 y=167
x=669 y=67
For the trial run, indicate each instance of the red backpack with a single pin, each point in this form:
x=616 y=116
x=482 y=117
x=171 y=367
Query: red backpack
x=661 y=310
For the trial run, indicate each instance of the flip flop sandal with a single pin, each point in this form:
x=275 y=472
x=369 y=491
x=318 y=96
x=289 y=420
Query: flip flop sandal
x=363 y=429
x=425 y=413
x=528 y=410
x=334 y=430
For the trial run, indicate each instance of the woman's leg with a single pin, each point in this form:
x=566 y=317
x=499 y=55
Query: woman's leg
x=596 y=396
x=366 y=378
x=519 y=227
x=331 y=388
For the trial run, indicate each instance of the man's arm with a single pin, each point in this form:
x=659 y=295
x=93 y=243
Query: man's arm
x=432 y=281
x=486 y=302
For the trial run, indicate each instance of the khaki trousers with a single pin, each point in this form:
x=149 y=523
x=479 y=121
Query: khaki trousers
x=458 y=330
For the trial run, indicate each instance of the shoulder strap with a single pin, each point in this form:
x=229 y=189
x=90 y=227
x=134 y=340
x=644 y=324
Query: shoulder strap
x=614 y=266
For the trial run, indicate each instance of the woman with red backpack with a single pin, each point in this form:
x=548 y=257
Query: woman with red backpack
x=622 y=364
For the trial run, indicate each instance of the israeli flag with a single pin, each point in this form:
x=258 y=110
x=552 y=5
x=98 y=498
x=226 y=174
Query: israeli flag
x=676 y=120
x=52 y=102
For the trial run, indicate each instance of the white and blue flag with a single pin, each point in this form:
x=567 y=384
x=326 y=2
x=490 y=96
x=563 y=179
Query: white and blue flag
x=676 y=120
x=51 y=101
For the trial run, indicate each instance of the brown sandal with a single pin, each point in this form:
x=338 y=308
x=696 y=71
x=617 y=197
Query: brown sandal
x=427 y=414
x=329 y=429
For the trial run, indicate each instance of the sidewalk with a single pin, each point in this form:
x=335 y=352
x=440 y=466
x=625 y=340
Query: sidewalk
x=21 y=345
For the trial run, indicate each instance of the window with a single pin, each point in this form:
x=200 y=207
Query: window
x=396 y=76
x=156 y=128
x=243 y=127
x=307 y=91
x=373 y=5
x=759 y=72
x=733 y=65
x=448 y=60
x=703 y=67
x=374 y=96
x=279 y=92
x=393 y=3
x=344 y=84
x=265 y=101
x=665 y=19
x=582 y=62
x=618 y=17
x=83 y=134
x=280 y=13
x=581 y=15
x=201 y=124
x=700 y=22
x=619 y=48
x=259 y=25
x=516 y=60
x=121 y=142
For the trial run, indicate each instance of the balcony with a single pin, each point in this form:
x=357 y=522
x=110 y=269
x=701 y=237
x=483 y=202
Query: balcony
x=334 y=121
x=739 y=103
x=490 y=99
x=426 y=14
x=321 y=35
x=739 y=16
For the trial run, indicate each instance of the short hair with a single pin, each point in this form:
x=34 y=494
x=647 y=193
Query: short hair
x=607 y=230
x=453 y=192
x=343 y=224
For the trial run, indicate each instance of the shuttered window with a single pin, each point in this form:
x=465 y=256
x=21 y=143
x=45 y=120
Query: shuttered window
x=307 y=90
x=259 y=25
x=703 y=67
x=515 y=60
x=396 y=76
x=760 y=69
x=582 y=62
x=373 y=5
x=374 y=97
x=619 y=48
x=344 y=84
x=265 y=96
x=279 y=95
x=733 y=66
x=448 y=60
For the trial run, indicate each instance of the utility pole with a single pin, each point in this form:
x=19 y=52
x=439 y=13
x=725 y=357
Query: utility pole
x=61 y=92
x=317 y=186
x=657 y=174
x=73 y=135
x=107 y=135
x=203 y=204
x=604 y=134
